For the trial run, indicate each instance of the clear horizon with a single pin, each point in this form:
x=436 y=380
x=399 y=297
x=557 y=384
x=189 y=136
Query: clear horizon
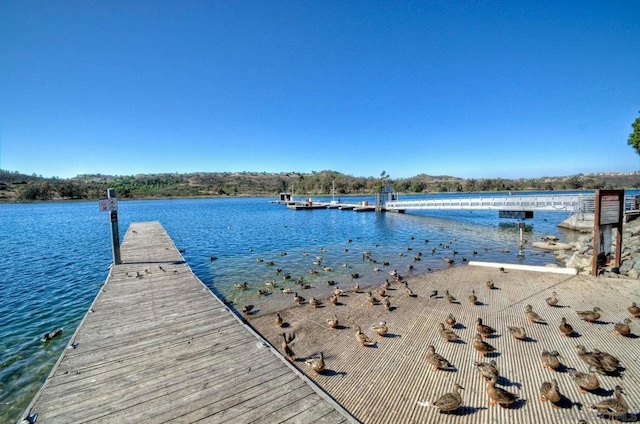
x=471 y=90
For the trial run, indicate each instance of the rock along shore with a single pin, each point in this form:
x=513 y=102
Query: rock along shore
x=580 y=254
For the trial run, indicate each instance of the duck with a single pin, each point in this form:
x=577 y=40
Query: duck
x=247 y=309
x=483 y=329
x=590 y=316
x=610 y=362
x=490 y=285
x=279 y=320
x=380 y=328
x=450 y=321
x=362 y=338
x=518 y=333
x=447 y=335
x=386 y=303
x=286 y=339
x=337 y=291
x=286 y=290
x=315 y=302
x=50 y=335
x=334 y=300
x=615 y=407
x=382 y=292
x=450 y=298
x=298 y=299
x=355 y=288
x=488 y=370
x=532 y=316
x=473 y=299
x=437 y=360
x=241 y=286
x=263 y=292
x=316 y=364
x=332 y=322
x=481 y=346
x=553 y=300
x=372 y=300
x=585 y=380
x=634 y=310
x=622 y=328
x=450 y=401
x=595 y=360
x=565 y=328
x=498 y=395
x=549 y=391
x=407 y=291
x=550 y=359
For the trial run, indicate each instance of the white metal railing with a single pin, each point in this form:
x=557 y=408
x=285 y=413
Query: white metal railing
x=557 y=203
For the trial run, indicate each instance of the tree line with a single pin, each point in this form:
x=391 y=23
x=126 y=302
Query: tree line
x=19 y=187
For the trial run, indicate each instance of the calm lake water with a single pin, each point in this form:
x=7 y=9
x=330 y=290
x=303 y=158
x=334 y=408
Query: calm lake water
x=56 y=257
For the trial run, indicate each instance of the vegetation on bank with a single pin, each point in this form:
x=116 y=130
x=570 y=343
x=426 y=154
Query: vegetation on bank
x=20 y=187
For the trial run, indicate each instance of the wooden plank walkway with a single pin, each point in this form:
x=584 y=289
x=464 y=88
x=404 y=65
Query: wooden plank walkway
x=157 y=346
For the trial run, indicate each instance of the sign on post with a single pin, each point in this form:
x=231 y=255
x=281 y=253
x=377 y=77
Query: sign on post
x=609 y=210
x=110 y=204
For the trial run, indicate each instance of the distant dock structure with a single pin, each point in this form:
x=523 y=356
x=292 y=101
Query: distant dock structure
x=158 y=346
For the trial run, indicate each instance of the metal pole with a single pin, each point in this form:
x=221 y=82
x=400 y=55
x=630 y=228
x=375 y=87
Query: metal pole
x=115 y=235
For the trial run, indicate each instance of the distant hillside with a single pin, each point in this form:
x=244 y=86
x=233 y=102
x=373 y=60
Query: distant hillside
x=19 y=187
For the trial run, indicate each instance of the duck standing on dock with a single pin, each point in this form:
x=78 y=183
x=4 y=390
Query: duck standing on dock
x=532 y=316
x=380 y=328
x=585 y=381
x=590 y=316
x=615 y=407
x=623 y=328
x=451 y=401
x=484 y=329
x=518 y=333
x=565 y=328
x=362 y=338
x=447 y=334
x=553 y=300
x=549 y=392
x=550 y=359
x=286 y=339
x=499 y=395
x=481 y=346
x=316 y=364
x=333 y=321
x=436 y=360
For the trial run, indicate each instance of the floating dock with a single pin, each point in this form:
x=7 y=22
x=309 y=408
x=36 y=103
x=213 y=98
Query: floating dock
x=157 y=346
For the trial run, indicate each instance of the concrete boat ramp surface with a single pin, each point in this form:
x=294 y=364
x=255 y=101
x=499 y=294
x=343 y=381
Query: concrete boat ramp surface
x=157 y=346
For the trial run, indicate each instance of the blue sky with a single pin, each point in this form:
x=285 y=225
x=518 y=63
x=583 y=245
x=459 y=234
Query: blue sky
x=464 y=88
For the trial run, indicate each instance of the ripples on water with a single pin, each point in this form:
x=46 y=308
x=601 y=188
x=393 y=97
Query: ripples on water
x=56 y=257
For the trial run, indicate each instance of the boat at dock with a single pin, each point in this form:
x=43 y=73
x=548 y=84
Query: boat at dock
x=306 y=204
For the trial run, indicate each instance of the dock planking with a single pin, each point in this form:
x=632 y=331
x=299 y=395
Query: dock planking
x=157 y=346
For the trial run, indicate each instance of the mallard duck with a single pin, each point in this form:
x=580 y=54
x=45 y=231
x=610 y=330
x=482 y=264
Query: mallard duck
x=298 y=299
x=447 y=334
x=596 y=360
x=553 y=300
x=247 y=309
x=286 y=290
x=437 y=360
x=585 y=381
x=481 y=346
x=279 y=320
x=286 y=339
x=372 y=300
x=332 y=322
x=610 y=362
x=408 y=291
x=550 y=359
x=450 y=320
x=450 y=401
x=355 y=288
x=380 y=328
x=565 y=328
x=334 y=300
x=549 y=391
x=590 y=316
x=315 y=302
x=450 y=298
x=362 y=338
x=634 y=310
x=382 y=292
x=488 y=370
x=337 y=291
x=532 y=316
x=622 y=328
x=484 y=329
x=386 y=303
x=473 y=299
x=50 y=335
x=499 y=395
x=241 y=286
x=518 y=333
x=614 y=407
x=316 y=364
x=386 y=284
x=263 y=292
x=490 y=285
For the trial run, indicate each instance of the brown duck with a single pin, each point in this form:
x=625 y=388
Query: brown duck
x=553 y=300
x=623 y=328
x=615 y=407
x=437 y=360
x=450 y=401
x=500 y=396
x=332 y=322
x=634 y=310
x=447 y=334
x=550 y=359
x=481 y=346
x=473 y=299
x=585 y=381
x=362 y=338
x=450 y=320
x=565 y=328
x=532 y=316
x=316 y=364
x=484 y=329
x=590 y=316
x=518 y=333
x=549 y=391
x=488 y=370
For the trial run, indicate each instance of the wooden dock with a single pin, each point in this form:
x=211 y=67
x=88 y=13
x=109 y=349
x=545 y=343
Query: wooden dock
x=157 y=346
